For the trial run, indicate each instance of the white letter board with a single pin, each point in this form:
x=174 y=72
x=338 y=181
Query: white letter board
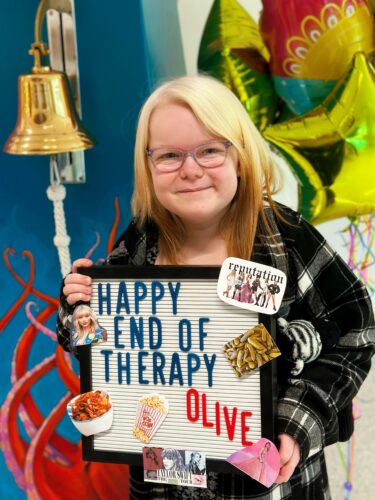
x=212 y=324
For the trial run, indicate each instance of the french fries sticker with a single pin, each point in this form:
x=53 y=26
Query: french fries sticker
x=251 y=350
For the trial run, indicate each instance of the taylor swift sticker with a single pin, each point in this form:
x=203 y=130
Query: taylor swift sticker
x=85 y=328
x=260 y=461
x=250 y=285
x=178 y=467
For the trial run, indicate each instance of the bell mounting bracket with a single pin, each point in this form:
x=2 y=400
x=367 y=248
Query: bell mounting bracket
x=63 y=56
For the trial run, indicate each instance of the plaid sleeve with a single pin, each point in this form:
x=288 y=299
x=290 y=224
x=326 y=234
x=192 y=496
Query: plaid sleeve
x=119 y=256
x=325 y=288
x=64 y=319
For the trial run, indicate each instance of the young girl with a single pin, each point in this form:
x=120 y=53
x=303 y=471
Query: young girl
x=86 y=328
x=203 y=192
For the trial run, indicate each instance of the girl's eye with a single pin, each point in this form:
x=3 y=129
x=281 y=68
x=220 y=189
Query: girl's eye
x=210 y=151
x=213 y=149
x=167 y=156
x=170 y=154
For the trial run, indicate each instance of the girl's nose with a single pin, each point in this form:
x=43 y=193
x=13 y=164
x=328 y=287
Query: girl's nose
x=190 y=168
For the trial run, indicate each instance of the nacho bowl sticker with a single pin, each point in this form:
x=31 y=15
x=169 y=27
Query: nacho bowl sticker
x=151 y=412
x=251 y=350
x=252 y=286
x=91 y=412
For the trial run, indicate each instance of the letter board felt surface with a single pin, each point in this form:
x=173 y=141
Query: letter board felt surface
x=184 y=298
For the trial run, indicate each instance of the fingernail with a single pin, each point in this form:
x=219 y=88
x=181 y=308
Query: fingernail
x=88 y=281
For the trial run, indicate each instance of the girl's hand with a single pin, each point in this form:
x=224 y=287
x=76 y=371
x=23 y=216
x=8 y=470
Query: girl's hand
x=289 y=456
x=77 y=287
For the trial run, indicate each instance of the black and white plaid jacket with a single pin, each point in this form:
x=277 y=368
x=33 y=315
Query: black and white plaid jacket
x=313 y=407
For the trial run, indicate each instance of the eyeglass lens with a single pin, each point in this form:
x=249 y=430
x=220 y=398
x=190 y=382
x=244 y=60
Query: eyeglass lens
x=208 y=155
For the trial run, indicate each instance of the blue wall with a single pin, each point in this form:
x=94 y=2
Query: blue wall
x=115 y=79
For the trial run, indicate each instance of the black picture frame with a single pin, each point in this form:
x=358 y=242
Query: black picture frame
x=267 y=371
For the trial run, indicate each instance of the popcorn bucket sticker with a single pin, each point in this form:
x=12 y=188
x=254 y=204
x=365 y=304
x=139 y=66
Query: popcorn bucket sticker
x=151 y=412
x=252 y=286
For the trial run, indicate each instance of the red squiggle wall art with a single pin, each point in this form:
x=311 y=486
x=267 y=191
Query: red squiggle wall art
x=47 y=465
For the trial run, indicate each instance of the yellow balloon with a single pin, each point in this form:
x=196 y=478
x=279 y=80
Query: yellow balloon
x=331 y=149
x=232 y=50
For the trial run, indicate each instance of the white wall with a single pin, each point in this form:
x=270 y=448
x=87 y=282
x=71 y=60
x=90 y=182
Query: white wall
x=193 y=15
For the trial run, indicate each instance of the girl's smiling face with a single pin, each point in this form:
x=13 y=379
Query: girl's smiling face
x=198 y=196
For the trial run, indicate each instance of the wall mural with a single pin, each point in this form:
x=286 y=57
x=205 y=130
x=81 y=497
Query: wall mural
x=45 y=464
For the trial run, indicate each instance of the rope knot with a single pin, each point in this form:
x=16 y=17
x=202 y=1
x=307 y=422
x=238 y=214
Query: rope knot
x=56 y=193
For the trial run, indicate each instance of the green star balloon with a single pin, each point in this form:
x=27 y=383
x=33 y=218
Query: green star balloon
x=331 y=149
x=233 y=51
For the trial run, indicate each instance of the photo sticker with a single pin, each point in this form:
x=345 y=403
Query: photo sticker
x=260 y=461
x=91 y=412
x=178 y=467
x=252 y=286
x=85 y=328
x=251 y=350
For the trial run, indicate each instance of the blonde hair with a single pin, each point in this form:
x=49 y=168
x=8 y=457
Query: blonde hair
x=80 y=309
x=222 y=114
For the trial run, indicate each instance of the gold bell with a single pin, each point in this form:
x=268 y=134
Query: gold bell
x=47 y=120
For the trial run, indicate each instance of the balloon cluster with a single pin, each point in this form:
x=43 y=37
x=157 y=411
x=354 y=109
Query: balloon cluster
x=307 y=81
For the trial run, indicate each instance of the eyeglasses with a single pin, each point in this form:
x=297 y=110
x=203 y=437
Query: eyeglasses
x=208 y=155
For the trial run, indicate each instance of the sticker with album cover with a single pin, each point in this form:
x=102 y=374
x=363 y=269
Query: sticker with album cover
x=261 y=461
x=250 y=285
x=177 y=467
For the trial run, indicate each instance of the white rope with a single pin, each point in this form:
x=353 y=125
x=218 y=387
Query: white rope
x=56 y=192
